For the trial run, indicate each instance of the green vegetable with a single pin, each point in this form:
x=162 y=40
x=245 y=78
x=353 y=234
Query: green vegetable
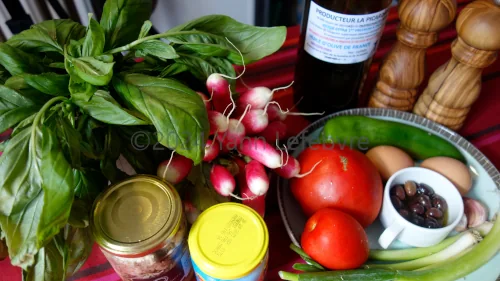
x=75 y=101
x=420 y=144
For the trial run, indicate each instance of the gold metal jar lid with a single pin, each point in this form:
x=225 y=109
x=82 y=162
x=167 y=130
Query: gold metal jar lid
x=136 y=216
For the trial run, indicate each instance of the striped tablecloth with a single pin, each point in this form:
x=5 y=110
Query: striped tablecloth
x=482 y=129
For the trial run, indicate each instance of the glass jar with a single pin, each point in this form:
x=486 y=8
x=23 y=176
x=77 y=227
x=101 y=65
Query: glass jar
x=141 y=229
x=229 y=241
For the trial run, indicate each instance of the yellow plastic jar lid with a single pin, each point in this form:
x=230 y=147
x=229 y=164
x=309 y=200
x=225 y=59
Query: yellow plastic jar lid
x=228 y=241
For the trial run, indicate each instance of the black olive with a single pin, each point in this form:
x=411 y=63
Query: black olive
x=439 y=202
x=434 y=212
x=398 y=204
x=423 y=188
x=405 y=214
x=416 y=208
x=399 y=191
x=424 y=200
x=416 y=219
x=410 y=188
x=431 y=223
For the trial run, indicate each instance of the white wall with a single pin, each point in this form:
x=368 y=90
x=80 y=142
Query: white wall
x=169 y=13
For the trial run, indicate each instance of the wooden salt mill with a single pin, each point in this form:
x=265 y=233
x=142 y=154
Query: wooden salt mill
x=456 y=85
x=403 y=69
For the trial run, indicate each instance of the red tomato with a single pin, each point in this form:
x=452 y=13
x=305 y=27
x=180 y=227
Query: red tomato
x=345 y=180
x=335 y=240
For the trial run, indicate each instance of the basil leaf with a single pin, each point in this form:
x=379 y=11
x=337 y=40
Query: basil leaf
x=94 y=41
x=155 y=48
x=70 y=140
x=146 y=26
x=174 y=109
x=254 y=42
x=36 y=192
x=49 y=83
x=173 y=69
x=11 y=117
x=201 y=68
x=89 y=184
x=4 y=74
x=94 y=70
x=23 y=125
x=10 y=99
x=49 y=263
x=122 y=19
x=79 y=243
x=18 y=84
x=103 y=107
x=19 y=62
x=47 y=36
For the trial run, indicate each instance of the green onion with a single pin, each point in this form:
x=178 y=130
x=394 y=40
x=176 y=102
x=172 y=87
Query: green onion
x=466 y=241
x=305 y=267
x=436 y=265
x=412 y=253
x=484 y=228
x=305 y=257
x=340 y=275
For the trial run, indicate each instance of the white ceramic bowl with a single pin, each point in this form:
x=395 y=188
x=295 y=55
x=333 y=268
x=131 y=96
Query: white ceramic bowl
x=396 y=227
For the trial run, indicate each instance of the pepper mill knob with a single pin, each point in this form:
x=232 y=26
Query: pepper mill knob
x=456 y=85
x=403 y=69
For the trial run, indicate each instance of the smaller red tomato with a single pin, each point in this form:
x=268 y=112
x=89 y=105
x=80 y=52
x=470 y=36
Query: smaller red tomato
x=335 y=240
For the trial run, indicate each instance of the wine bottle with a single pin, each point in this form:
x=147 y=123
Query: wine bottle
x=338 y=41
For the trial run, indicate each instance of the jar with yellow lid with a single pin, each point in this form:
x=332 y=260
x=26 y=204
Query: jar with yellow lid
x=229 y=241
x=141 y=229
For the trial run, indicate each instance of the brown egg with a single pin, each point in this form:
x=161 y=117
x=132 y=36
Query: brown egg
x=453 y=170
x=389 y=160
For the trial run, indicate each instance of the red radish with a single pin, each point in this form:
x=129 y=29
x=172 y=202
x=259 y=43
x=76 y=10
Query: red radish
x=206 y=101
x=255 y=121
x=233 y=136
x=257 y=97
x=257 y=179
x=276 y=130
x=175 y=169
x=212 y=149
x=291 y=169
x=274 y=112
x=222 y=180
x=218 y=122
x=258 y=203
x=218 y=88
x=258 y=149
x=191 y=212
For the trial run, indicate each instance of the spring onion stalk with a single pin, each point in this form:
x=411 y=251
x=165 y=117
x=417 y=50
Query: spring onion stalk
x=484 y=228
x=466 y=241
x=412 y=253
x=448 y=271
x=436 y=265
x=306 y=257
x=305 y=267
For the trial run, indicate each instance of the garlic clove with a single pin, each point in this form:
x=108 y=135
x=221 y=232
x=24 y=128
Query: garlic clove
x=475 y=211
x=462 y=224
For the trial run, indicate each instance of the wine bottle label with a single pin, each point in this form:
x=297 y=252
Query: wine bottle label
x=343 y=39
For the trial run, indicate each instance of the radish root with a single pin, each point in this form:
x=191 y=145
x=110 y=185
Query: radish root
x=282 y=88
x=239 y=198
x=248 y=197
x=232 y=103
x=287 y=155
x=242 y=61
x=305 y=114
x=211 y=96
x=308 y=173
x=279 y=107
x=244 y=113
x=170 y=160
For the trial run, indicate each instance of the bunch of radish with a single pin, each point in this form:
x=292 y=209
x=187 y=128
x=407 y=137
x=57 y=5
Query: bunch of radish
x=246 y=133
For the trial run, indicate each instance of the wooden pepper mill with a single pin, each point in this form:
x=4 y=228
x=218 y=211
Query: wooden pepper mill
x=456 y=85
x=403 y=69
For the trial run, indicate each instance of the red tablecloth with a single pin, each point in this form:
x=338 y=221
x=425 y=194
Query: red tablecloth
x=482 y=129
